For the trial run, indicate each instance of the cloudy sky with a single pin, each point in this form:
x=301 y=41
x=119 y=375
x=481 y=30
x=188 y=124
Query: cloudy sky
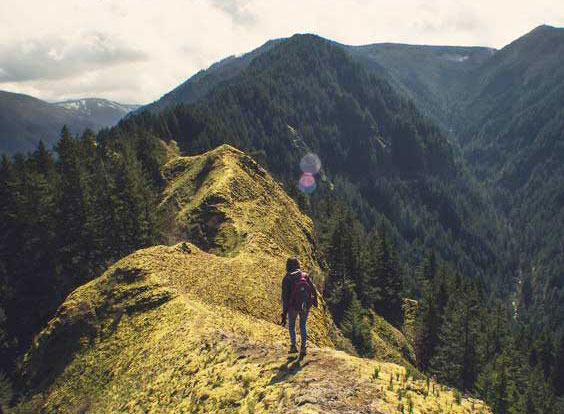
x=134 y=51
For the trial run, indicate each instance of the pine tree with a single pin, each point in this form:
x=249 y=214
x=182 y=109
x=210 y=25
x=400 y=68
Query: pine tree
x=383 y=279
x=456 y=359
x=5 y=392
x=133 y=207
x=542 y=353
x=447 y=361
x=428 y=269
x=429 y=317
x=558 y=370
x=44 y=161
x=495 y=332
x=471 y=337
x=373 y=292
x=9 y=182
x=356 y=327
x=345 y=274
x=75 y=201
x=503 y=379
x=494 y=385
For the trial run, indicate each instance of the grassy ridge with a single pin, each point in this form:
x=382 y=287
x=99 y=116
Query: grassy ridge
x=176 y=328
x=186 y=357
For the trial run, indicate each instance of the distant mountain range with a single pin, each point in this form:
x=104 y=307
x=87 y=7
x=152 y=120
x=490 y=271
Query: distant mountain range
x=25 y=120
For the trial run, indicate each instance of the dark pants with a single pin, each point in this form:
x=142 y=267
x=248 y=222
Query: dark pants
x=292 y=316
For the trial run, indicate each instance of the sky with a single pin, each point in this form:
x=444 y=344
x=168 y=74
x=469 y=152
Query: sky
x=134 y=51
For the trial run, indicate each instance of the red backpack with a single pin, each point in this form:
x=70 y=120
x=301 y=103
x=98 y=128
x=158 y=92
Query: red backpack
x=300 y=294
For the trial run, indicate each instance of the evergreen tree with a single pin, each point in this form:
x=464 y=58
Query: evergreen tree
x=558 y=371
x=345 y=275
x=59 y=227
x=44 y=161
x=383 y=279
x=75 y=201
x=429 y=314
x=541 y=353
x=495 y=332
x=504 y=379
x=357 y=328
x=133 y=207
x=535 y=397
x=456 y=359
x=5 y=392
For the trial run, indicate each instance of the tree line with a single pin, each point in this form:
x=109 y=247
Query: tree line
x=64 y=218
x=463 y=337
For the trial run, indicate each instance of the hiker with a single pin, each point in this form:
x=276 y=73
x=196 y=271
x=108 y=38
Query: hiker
x=298 y=295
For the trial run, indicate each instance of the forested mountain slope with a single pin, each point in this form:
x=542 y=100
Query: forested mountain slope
x=395 y=203
x=308 y=95
x=515 y=143
x=511 y=142
x=25 y=120
x=505 y=109
x=437 y=78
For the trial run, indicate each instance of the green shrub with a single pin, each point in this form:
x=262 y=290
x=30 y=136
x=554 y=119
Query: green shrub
x=458 y=397
x=376 y=373
x=5 y=392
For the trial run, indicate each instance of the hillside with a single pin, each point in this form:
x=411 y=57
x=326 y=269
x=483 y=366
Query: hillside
x=437 y=78
x=504 y=109
x=25 y=120
x=179 y=329
x=514 y=142
x=464 y=214
x=434 y=77
x=378 y=151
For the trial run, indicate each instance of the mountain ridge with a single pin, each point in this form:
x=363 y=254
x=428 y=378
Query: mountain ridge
x=25 y=120
x=201 y=83
x=150 y=334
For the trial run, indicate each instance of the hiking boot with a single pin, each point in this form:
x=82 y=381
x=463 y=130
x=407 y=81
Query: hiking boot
x=303 y=352
x=293 y=350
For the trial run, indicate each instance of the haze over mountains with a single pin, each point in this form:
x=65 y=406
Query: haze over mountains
x=25 y=120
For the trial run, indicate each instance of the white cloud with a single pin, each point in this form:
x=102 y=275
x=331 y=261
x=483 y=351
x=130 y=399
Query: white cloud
x=55 y=57
x=136 y=50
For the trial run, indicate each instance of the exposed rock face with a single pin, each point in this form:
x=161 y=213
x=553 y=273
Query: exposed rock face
x=188 y=329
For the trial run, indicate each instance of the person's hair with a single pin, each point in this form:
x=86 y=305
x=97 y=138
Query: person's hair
x=292 y=264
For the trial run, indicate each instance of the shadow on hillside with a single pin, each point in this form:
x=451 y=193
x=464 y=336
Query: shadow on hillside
x=291 y=367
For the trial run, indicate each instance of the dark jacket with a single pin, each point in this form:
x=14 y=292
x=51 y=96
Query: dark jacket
x=289 y=278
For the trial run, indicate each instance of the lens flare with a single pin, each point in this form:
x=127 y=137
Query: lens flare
x=310 y=164
x=307 y=183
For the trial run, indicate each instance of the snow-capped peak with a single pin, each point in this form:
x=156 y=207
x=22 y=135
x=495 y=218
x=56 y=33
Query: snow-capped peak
x=87 y=105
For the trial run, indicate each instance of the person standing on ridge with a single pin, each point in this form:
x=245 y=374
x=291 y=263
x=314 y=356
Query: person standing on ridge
x=298 y=296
